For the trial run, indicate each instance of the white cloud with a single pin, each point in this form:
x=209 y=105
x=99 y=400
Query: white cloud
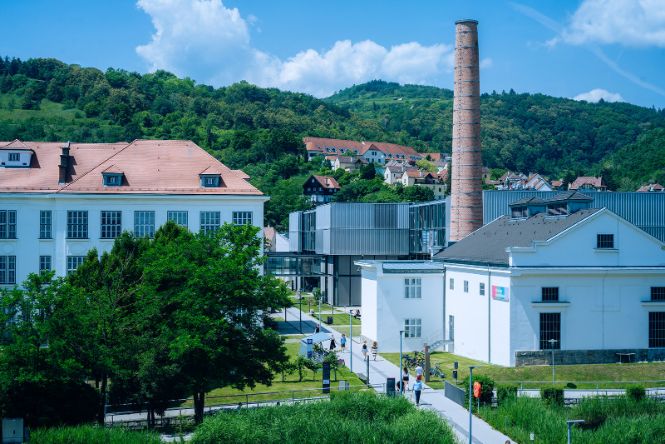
x=595 y=95
x=205 y=40
x=486 y=63
x=625 y=22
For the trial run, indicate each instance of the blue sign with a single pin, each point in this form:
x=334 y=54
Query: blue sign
x=500 y=293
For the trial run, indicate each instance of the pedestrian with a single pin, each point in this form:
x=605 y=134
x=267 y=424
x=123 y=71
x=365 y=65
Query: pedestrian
x=318 y=328
x=419 y=370
x=333 y=345
x=375 y=349
x=364 y=350
x=405 y=379
x=342 y=342
x=417 y=390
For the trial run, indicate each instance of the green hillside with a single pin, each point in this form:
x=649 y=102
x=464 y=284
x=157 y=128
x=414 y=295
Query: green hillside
x=261 y=130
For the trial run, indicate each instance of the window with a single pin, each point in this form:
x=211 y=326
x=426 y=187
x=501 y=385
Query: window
x=210 y=221
x=144 y=223
x=482 y=289
x=656 y=329
x=451 y=327
x=179 y=217
x=466 y=286
x=242 y=218
x=412 y=328
x=605 y=241
x=550 y=294
x=550 y=329
x=452 y=284
x=112 y=180
x=7 y=269
x=210 y=180
x=77 y=224
x=658 y=294
x=111 y=224
x=412 y=288
x=45 y=263
x=45 y=224
x=7 y=224
x=14 y=157
x=73 y=262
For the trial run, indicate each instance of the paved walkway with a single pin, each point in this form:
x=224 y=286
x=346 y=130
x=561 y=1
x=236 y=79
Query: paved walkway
x=381 y=369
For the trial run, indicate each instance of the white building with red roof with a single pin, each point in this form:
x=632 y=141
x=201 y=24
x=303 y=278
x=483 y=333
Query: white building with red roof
x=57 y=201
x=373 y=152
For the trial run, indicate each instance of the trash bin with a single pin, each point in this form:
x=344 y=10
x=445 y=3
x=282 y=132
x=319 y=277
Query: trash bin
x=329 y=320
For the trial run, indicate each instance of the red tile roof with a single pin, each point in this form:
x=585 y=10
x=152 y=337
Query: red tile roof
x=327 y=182
x=321 y=143
x=651 y=187
x=596 y=182
x=149 y=166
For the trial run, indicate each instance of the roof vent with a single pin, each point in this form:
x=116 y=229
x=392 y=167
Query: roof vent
x=65 y=164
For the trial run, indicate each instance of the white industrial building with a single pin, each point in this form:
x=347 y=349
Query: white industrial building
x=59 y=201
x=555 y=274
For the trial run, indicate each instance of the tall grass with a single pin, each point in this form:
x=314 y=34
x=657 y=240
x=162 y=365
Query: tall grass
x=608 y=420
x=347 y=417
x=91 y=434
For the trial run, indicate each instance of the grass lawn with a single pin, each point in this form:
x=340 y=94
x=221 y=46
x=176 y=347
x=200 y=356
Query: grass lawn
x=289 y=388
x=583 y=376
x=338 y=319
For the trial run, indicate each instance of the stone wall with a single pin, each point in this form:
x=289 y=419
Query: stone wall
x=568 y=357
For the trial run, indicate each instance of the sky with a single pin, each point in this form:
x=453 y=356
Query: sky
x=581 y=49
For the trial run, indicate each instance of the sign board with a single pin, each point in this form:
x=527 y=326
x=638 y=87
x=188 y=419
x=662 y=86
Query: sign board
x=390 y=386
x=476 y=389
x=326 y=377
x=12 y=430
x=500 y=293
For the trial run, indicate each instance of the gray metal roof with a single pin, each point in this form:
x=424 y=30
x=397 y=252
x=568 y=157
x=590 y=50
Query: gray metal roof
x=412 y=266
x=488 y=244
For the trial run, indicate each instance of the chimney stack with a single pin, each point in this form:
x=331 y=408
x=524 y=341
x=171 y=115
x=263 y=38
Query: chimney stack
x=64 y=167
x=466 y=208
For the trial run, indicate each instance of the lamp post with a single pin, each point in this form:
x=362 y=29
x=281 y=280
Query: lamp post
x=552 y=342
x=570 y=423
x=351 y=339
x=471 y=403
x=300 y=310
x=401 y=380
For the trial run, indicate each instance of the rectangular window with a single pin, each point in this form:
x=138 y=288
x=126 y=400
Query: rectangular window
x=658 y=294
x=242 y=218
x=605 y=241
x=179 y=217
x=77 y=224
x=44 y=263
x=14 y=157
x=550 y=331
x=144 y=223
x=45 y=224
x=451 y=327
x=111 y=224
x=210 y=221
x=452 y=284
x=412 y=288
x=73 y=262
x=7 y=269
x=482 y=289
x=412 y=328
x=7 y=224
x=466 y=286
x=549 y=294
x=656 y=329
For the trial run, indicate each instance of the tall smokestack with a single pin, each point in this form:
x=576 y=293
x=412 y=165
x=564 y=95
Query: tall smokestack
x=466 y=209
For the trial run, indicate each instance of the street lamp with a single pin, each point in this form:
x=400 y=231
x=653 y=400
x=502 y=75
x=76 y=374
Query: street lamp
x=570 y=423
x=471 y=403
x=300 y=309
x=552 y=342
x=351 y=339
x=401 y=366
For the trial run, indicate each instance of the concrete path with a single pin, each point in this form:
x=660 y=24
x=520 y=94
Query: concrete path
x=381 y=369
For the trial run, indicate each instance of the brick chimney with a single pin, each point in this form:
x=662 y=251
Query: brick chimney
x=65 y=164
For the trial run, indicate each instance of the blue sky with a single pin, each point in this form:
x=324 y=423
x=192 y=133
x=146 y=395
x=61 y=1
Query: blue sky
x=614 y=49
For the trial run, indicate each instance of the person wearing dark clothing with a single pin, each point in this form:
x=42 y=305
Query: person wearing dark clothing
x=333 y=344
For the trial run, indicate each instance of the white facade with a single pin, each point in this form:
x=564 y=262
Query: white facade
x=27 y=248
x=396 y=298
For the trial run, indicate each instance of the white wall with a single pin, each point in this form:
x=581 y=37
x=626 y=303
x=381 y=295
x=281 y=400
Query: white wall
x=371 y=315
x=28 y=247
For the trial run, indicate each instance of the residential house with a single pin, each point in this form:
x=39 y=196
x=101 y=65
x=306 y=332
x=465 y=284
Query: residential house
x=320 y=189
x=588 y=183
x=651 y=188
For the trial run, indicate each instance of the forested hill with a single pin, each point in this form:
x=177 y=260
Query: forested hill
x=260 y=129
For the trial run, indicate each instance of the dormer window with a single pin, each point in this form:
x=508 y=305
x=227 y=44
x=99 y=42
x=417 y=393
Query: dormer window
x=112 y=179
x=210 y=180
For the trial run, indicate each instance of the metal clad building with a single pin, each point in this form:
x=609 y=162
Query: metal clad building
x=645 y=210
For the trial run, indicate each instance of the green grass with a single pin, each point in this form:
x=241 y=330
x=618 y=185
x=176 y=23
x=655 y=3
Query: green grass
x=650 y=374
x=608 y=420
x=279 y=389
x=339 y=319
x=91 y=434
x=346 y=418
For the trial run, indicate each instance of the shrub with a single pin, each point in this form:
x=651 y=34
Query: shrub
x=486 y=390
x=505 y=392
x=635 y=392
x=552 y=395
x=88 y=434
x=571 y=385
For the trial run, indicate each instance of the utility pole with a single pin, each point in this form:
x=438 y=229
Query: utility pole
x=552 y=342
x=401 y=366
x=351 y=339
x=471 y=403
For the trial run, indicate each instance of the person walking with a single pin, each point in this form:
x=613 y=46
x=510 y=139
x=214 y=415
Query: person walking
x=375 y=349
x=405 y=379
x=317 y=329
x=418 y=389
x=364 y=350
x=419 y=370
x=333 y=344
x=342 y=342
